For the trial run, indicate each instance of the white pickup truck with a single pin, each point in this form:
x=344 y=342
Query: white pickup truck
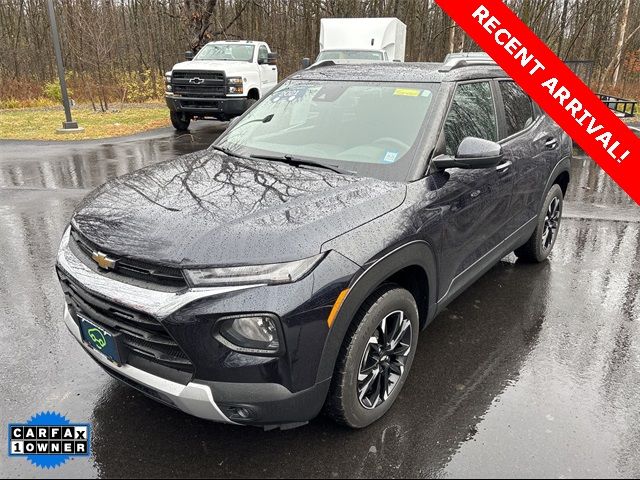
x=221 y=81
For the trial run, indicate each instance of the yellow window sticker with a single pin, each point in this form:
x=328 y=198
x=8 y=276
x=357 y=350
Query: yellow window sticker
x=407 y=92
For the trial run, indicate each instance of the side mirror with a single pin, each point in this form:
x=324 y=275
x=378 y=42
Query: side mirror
x=272 y=58
x=189 y=55
x=472 y=153
x=305 y=63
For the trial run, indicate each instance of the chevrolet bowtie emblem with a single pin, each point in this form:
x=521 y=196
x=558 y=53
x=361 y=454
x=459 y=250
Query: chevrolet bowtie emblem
x=196 y=80
x=103 y=261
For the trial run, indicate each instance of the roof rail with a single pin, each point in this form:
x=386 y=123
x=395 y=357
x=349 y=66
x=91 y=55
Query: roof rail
x=466 y=59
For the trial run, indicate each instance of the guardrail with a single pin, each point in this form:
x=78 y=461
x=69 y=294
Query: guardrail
x=621 y=106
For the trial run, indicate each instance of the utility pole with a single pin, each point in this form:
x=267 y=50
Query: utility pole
x=68 y=126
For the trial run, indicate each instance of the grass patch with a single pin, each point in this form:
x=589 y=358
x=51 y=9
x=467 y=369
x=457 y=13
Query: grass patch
x=41 y=124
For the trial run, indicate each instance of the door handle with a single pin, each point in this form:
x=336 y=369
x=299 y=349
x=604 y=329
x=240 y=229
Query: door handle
x=551 y=143
x=503 y=167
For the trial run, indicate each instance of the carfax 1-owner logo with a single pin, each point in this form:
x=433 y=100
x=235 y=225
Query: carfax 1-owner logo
x=49 y=439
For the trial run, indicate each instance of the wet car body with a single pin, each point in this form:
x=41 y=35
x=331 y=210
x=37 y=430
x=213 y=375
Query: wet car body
x=433 y=231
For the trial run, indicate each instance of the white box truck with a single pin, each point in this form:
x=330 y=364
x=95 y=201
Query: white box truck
x=362 y=39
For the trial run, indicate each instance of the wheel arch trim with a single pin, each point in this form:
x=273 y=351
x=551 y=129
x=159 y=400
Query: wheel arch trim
x=563 y=166
x=417 y=253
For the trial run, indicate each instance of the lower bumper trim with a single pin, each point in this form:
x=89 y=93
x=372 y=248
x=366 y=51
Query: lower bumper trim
x=232 y=106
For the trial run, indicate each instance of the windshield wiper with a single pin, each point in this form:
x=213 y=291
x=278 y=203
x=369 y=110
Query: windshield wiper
x=226 y=151
x=296 y=162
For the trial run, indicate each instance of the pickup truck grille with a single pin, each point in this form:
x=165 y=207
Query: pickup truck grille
x=142 y=335
x=198 y=84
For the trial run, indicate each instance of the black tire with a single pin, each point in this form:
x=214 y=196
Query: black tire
x=344 y=403
x=180 y=121
x=250 y=102
x=541 y=242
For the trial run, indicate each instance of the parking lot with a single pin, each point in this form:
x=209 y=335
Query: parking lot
x=533 y=371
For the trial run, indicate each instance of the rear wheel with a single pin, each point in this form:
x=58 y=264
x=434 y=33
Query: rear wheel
x=375 y=358
x=180 y=121
x=540 y=244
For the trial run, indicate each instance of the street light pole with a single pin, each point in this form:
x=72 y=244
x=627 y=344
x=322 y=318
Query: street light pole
x=69 y=125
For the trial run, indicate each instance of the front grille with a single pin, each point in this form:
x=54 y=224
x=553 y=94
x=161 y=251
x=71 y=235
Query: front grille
x=198 y=84
x=186 y=75
x=199 y=91
x=141 y=334
x=130 y=268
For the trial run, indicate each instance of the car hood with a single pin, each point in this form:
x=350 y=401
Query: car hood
x=229 y=66
x=207 y=208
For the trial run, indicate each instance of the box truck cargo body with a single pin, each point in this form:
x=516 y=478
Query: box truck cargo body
x=362 y=39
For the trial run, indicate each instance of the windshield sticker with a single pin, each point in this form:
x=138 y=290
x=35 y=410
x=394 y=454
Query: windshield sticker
x=407 y=92
x=389 y=156
x=289 y=94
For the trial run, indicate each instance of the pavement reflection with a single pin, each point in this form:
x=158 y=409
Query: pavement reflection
x=533 y=371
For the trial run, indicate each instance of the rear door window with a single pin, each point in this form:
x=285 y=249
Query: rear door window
x=472 y=114
x=518 y=108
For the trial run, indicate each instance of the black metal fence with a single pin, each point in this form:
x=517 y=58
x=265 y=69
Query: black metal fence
x=621 y=106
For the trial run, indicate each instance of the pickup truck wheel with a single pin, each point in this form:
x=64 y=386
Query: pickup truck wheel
x=375 y=358
x=539 y=246
x=180 y=121
x=250 y=102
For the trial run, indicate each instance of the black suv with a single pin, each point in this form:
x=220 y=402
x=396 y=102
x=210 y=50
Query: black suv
x=290 y=267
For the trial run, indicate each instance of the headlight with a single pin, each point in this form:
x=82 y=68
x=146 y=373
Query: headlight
x=257 y=274
x=167 y=78
x=254 y=333
x=234 y=85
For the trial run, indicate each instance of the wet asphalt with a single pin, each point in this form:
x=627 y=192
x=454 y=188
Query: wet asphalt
x=533 y=372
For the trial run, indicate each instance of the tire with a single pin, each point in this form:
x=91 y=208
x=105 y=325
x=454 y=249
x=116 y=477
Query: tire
x=346 y=402
x=180 y=121
x=250 y=102
x=541 y=242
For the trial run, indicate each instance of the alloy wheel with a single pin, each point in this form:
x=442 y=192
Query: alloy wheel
x=384 y=359
x=551 y=223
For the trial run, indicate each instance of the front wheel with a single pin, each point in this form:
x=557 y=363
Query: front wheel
x=180 y=121
x=540 y=244
x=375 y=358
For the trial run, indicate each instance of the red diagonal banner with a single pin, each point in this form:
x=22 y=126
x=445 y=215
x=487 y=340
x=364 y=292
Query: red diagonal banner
x=557 y=90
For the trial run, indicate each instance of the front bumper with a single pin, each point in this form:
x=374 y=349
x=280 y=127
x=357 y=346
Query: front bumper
x=193 y=398
x=215 y=106
x=274 y=390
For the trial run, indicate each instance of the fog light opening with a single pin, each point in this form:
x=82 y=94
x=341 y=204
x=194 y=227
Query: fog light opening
x=251 y=333
x=239 y=412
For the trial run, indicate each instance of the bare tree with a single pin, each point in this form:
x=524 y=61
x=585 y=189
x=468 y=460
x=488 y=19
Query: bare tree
x=95 y=46
x=105 y=40
x=617 y=58
x=198 y=18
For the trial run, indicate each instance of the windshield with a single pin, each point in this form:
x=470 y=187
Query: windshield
x=368 y=128
x=350 y=55
x=226 y=51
